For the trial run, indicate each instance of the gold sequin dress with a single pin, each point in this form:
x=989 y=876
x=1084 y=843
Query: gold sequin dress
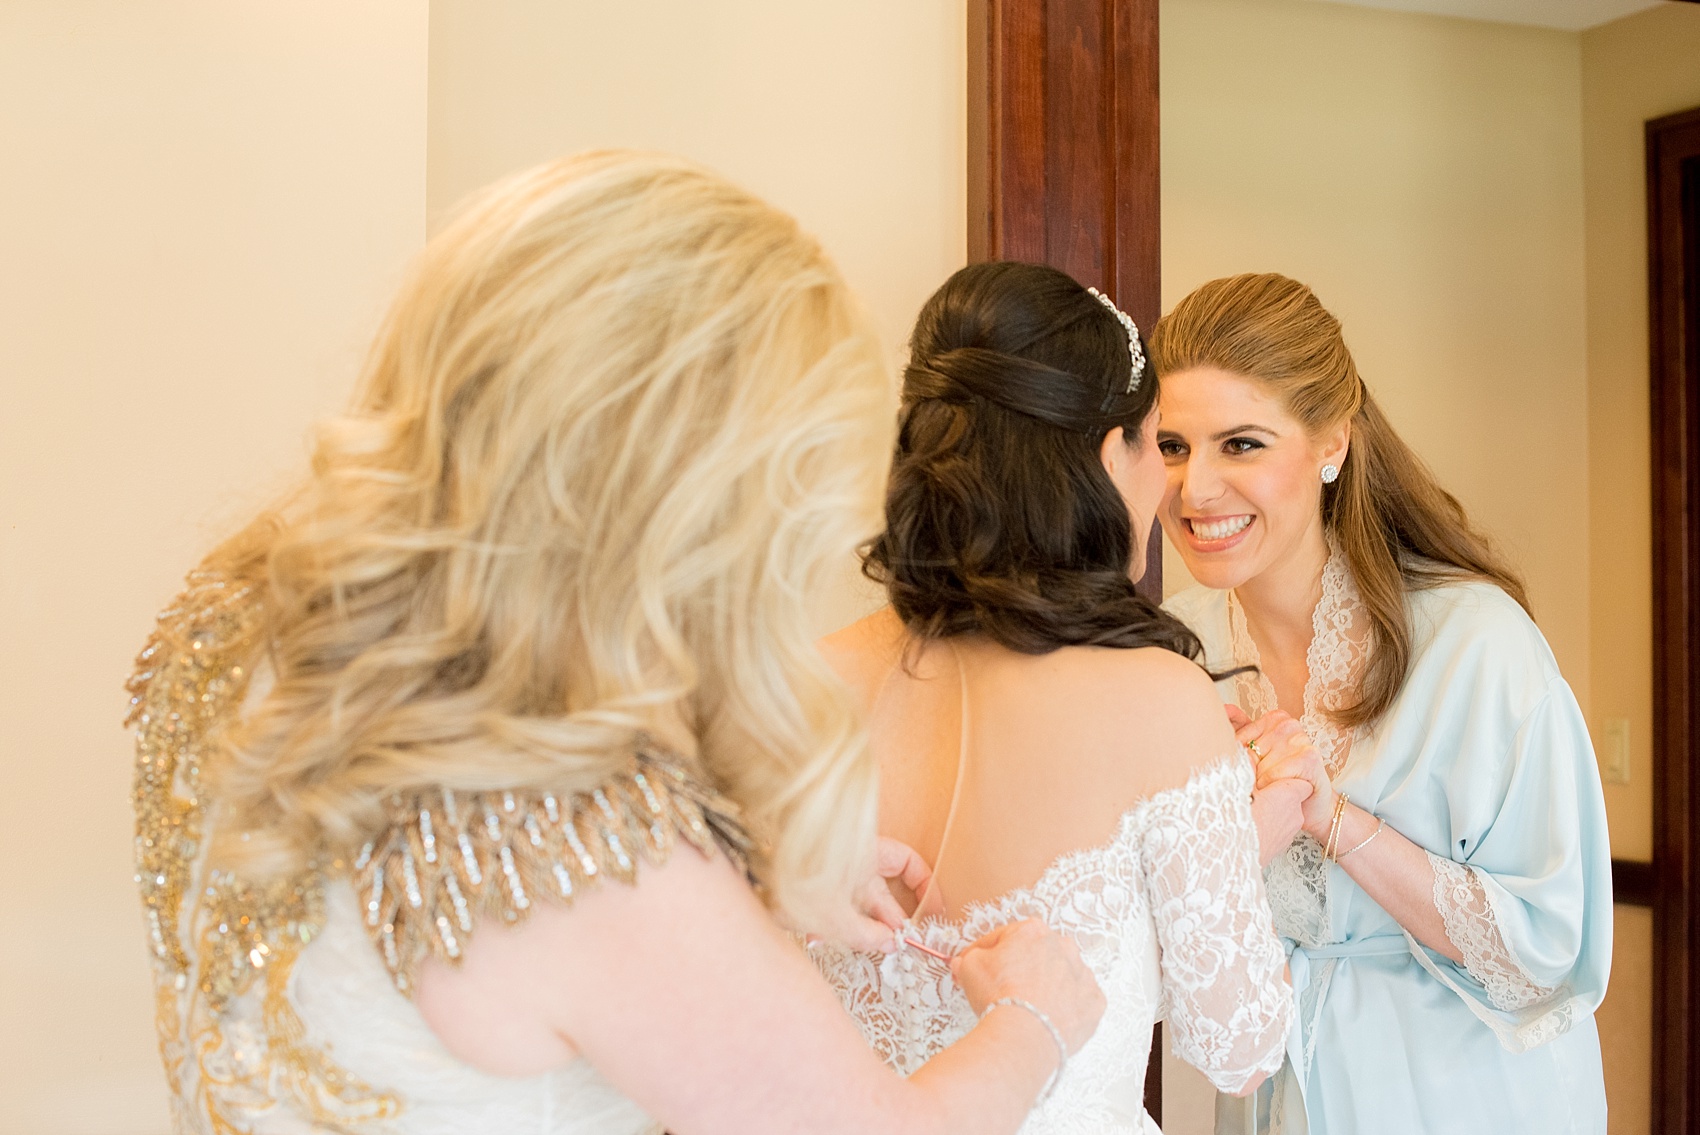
x=282 y=1007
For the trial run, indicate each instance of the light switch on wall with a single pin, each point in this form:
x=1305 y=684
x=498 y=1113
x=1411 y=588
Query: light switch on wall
x=1614 y=752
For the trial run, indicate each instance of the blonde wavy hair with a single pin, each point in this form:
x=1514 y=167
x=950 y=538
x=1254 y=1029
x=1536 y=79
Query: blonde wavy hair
x=1398 y=529
x=620 y=418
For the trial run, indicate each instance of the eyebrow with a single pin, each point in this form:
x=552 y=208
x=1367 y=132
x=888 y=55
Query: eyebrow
x=1245 y=429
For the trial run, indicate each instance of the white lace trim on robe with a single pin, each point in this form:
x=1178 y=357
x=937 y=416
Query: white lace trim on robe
x=1298 y=879
x=1462 y=901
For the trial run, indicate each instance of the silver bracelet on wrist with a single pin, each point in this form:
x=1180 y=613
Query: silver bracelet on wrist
x=1050 y=1027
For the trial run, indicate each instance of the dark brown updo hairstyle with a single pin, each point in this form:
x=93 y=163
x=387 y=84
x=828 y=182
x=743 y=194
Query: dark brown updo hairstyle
x=1000 y=518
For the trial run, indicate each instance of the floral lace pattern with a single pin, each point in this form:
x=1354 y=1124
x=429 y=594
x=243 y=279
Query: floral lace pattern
x=1172 y=920
x=1298 y=879
x=1339 y=646
x=1462 y=901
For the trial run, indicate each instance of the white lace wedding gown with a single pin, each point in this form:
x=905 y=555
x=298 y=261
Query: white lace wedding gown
x=1171 y=917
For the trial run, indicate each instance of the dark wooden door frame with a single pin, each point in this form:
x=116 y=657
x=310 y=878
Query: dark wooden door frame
x=1062 y=170
x=1062 y=149
x=1062 y=141
x=1673 y=261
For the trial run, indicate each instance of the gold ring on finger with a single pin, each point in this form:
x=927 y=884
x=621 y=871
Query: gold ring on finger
x=1251 y=747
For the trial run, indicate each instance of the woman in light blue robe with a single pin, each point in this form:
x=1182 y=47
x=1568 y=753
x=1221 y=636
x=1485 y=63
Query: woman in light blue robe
x=1447 y=901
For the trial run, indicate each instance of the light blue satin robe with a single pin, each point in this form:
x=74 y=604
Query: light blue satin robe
x=1483 y=758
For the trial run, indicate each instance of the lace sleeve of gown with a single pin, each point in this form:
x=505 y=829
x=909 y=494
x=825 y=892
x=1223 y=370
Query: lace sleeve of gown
x=1228 y=1003
x=1462 y=901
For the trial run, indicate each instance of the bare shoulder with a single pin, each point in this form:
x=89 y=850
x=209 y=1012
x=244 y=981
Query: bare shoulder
x=863 y=653
x=1142 y=679
x=1152 y=710
x=510 y=1008
x=680 y=990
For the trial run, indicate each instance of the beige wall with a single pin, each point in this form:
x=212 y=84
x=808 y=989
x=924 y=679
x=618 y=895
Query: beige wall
x=850 y=116
x=1625 y=1022
x=208 y=209
x=204 y=207
x=1468 y=197
x=1424 y=175
x=1633 y=69
x=1640 y=67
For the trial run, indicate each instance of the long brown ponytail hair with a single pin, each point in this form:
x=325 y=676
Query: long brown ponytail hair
x=1398 y=529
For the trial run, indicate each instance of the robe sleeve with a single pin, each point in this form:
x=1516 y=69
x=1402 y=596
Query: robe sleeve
x=1525 y=887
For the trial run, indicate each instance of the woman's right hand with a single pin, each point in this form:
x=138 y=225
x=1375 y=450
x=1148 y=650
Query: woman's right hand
x=1277 y=805
x=1037 y=964
x=1277 y=811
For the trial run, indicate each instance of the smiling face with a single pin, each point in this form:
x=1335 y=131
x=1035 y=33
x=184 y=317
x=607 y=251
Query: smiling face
x=1244 y=484
x=1138 y=474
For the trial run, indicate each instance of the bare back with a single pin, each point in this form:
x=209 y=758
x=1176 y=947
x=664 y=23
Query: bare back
x=1053 y=749
x=1101 y=794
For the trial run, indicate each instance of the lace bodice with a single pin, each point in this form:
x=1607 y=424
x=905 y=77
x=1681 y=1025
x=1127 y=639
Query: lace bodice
x=1298 y=879
x=1171 y=917
x=1339 y=645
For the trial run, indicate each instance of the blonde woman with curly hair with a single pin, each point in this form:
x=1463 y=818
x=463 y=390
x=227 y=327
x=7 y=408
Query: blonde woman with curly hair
x=1446 y=893
x=472 y=778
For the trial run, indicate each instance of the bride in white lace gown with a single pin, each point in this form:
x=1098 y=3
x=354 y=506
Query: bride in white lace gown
x=1043 y=737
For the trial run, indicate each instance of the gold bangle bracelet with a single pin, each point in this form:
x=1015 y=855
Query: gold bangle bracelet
x=1367 y=841
x=1340 y=803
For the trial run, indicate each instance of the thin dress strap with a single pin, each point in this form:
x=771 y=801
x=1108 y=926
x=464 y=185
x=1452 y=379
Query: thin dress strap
x=956 y=788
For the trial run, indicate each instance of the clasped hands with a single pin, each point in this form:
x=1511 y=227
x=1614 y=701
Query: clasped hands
x=1293 y=793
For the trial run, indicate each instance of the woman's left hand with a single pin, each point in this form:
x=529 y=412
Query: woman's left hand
x=1284 y=751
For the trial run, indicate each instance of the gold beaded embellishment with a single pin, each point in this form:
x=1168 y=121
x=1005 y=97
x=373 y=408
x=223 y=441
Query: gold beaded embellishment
x=444 y=860
x=449 y=858
x=217 y=939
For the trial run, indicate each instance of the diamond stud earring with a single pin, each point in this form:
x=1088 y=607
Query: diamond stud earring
x=1330 y=474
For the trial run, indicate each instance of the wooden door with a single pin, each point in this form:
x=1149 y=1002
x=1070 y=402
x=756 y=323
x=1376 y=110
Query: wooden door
x=1673 y=216
x=1062 y=150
